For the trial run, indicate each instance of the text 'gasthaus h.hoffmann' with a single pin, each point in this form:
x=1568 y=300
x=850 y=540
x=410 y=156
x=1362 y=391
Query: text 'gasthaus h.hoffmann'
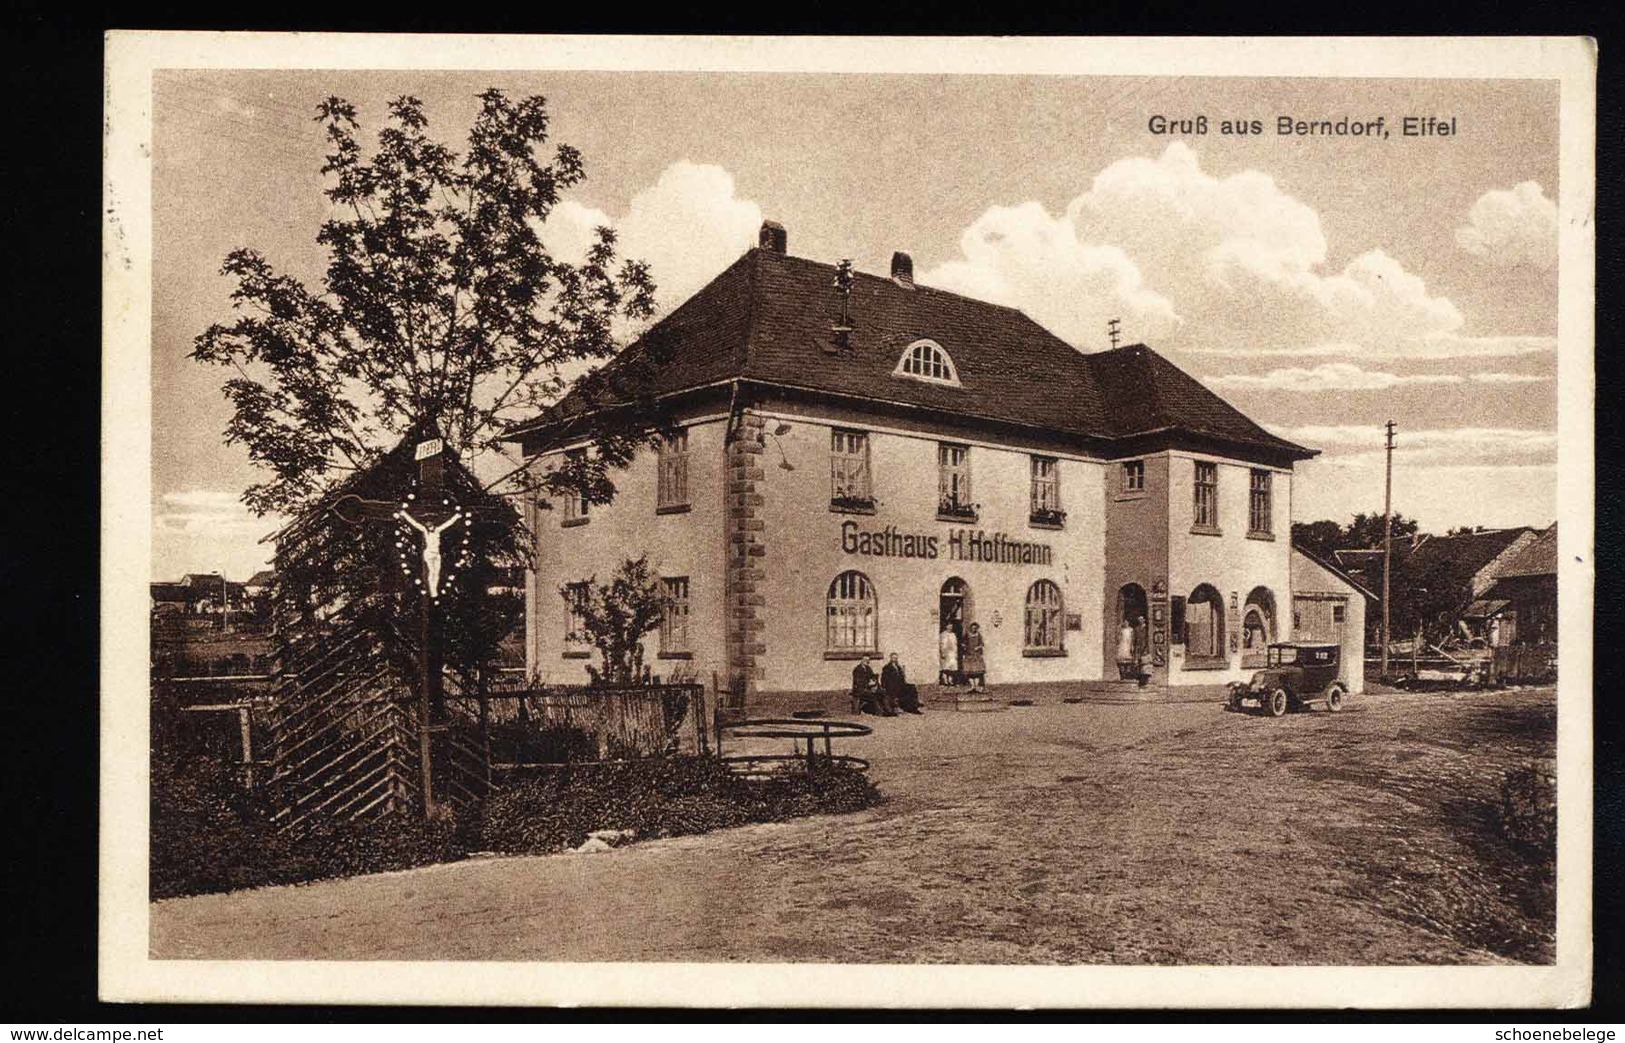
x=859 y=462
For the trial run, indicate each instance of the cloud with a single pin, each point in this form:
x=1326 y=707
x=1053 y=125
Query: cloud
x=1229 y=265
x=209 y=514
x=1510 y=378
x=1333 y=376
x=1354 y=446
x=1512 y=226
x=1439 y=496
x=689 y=225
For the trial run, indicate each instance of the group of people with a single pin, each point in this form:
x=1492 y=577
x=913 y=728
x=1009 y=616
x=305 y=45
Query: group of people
x=961 y=664
x=886 y=695
x=1133 y=647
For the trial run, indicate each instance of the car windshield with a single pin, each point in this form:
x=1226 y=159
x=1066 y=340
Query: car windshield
x=1280 y=655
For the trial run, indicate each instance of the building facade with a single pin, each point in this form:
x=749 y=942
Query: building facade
x=849 y=471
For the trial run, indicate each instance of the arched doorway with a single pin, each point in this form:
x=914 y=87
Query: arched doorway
x=1131 y=605
x=955 y=610
x=1257 y=626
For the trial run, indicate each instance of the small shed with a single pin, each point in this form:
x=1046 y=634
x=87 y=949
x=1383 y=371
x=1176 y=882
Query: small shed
x=1328 y=605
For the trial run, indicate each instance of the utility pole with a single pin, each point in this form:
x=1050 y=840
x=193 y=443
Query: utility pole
x=1387 y=537
x=1114 y=331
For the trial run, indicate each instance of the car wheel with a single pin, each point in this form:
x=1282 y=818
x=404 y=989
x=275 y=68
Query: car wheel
x=1278 y=702
x=1334 y=698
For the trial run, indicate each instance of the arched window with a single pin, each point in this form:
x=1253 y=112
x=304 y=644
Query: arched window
x=1204 y=624
x=1044 y=617
x=925 y=360
x=850 y=619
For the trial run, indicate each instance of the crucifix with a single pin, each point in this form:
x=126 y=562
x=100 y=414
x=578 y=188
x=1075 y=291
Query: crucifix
x=429 y=512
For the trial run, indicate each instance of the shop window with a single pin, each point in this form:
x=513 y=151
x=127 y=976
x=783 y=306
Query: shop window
x=1046 y=492
x=953 y=483
x=850 y=487
x=1206 y=497
x=1204 y=624
x=925 y=360
x=1260 y=512
x=674 y=617
x=672 y=486
x=1045 y=617
x=851 y=616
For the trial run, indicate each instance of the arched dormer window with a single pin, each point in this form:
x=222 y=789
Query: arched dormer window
x=925 y=360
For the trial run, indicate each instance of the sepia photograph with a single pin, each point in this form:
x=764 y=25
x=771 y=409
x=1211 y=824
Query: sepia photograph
x=963 y=518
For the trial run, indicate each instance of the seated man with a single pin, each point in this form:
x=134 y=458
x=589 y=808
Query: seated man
x=866 y=694
x=899 y=693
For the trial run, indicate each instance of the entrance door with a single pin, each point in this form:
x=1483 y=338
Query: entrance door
x=1131 y=606
x=954 y=608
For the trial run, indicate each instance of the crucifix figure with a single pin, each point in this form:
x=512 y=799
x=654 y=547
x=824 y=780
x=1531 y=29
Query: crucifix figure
x=431 y=546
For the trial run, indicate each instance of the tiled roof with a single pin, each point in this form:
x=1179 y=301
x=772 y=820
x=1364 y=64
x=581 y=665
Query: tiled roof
x=768 y=317
x=1537 y=559
x=1467 y=553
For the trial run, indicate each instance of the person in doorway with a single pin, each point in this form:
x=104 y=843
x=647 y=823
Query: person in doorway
x=1142 y=650
x=948 y=656
x=865 y=689
x=972 y=660
x=1126 y=665
x=900 y=695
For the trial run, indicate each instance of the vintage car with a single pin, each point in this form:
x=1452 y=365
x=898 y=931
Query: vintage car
x=1296 y=674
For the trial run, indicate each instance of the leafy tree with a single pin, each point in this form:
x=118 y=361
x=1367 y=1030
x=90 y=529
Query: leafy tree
x=1366 y=530
x=616 y=615
x=1321 y=538
x=439 y=311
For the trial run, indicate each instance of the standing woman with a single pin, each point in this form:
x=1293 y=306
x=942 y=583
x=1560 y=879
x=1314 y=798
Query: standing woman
x=948 y=656
x=972 y=660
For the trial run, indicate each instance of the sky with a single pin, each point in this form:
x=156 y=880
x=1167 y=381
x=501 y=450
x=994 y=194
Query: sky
x=1321 y=284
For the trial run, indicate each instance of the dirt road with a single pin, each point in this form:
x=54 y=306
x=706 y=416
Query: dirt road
x=1067 y=833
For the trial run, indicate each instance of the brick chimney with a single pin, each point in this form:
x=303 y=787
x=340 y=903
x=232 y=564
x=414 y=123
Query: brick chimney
x=902 y=268
x=773 y=237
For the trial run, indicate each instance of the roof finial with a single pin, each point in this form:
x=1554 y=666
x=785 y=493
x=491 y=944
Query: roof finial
x=843 y=289
x=1113 y=331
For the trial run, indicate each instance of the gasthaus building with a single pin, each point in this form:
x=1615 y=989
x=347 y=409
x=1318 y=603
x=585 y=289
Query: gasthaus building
x=859 y=461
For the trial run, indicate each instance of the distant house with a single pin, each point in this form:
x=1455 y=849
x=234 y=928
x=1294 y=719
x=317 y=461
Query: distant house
x=1330 y=605
x=169 y=598
x=1520 y=606
x=1476 y=558
x=259 y=584
x=209 y=593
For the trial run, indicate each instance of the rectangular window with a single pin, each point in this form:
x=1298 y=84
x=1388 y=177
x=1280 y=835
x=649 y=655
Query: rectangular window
x=1134 y=476
x=674 y=619
x=672 y=491
x=1339 y=613
x=1260 y=516
x=953 y=482
x=1176 y=620
x=1046 y=491
x=849 y=483
x=575 y=503
x=1207 y=495
x=575 y=620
